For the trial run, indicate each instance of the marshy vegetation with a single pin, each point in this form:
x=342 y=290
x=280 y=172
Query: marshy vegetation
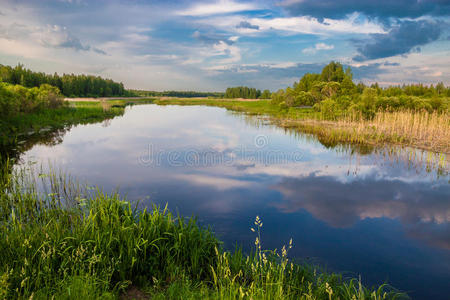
x=64 y=240
x=332 y=106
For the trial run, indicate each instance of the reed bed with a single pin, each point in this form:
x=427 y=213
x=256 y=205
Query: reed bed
x=70 y=242
x=424 y=130
x=428 y=130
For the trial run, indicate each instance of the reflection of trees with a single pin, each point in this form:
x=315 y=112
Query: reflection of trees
x=106 y=123
x=420 y=160
x=424 y=212
x=49 y=138
x=14 y=147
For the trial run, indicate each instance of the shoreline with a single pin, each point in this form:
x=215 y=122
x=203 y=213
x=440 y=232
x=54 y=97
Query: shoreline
x=306 y=120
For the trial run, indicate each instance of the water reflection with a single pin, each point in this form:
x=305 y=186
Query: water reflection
x=357 y=209
x=419 y=208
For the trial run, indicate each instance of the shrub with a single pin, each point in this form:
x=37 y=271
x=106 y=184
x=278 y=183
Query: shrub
x=15 y=99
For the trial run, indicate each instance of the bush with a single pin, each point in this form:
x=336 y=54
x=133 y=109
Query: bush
x=329 y=108
x=9 y=104
x=278 y=97
x=50 y=96
x=15 y=99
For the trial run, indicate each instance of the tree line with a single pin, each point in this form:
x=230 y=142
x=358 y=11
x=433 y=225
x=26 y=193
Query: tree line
x=246 y=93
x=183 y=94
x=333 y=92
x=70 y=85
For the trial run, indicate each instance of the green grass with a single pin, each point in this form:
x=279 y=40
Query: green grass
x=262 y=107
x=74 y=242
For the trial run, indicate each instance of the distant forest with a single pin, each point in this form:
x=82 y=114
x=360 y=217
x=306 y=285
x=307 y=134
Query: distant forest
x=184 y=94
x=70 y=85
x=246 y=93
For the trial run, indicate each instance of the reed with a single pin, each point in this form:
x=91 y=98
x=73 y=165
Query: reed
x=421 y=129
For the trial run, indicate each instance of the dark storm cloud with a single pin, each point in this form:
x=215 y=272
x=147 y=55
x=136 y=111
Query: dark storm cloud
x=245 y=24
x=381 y=8
x=403 y=38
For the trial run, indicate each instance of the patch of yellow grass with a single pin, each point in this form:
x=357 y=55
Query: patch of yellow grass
x=423 y=129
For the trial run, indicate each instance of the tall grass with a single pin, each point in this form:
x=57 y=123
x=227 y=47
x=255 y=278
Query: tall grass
x=422 y=129
x=48 y=238
x=60 y=239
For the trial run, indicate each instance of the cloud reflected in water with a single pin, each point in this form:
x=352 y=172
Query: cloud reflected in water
x=425 y=214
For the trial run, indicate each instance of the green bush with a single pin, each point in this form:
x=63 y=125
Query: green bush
x=15 y=99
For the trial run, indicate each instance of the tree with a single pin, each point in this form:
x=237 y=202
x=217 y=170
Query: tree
x=242 y=92
x=333 y=72
x=265 y=94
x=330 y=89
x=70 y=85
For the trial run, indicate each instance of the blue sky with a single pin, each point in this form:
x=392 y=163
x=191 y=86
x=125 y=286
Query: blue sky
x=210 y=45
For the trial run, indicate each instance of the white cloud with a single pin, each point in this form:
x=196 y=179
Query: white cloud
x=220 y=7
x=313 y=26
x=151 y=47
x=220 y=183
x=59 y=37
x=317 y=47
x=323 y=46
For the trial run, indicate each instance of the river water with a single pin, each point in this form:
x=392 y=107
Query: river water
x=359 y=211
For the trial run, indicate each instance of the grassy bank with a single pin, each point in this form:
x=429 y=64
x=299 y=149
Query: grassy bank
x=421 y=129
x=72 y=242
x=21 y=131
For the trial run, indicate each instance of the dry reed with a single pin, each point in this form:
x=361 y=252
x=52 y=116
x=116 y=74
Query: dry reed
x=421 y=129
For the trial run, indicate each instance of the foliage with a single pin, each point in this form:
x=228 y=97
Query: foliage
x=69 y=84
x=184 y=94
x=242 y=92
x=334 y=94
x=15 y=99
x=266 y=94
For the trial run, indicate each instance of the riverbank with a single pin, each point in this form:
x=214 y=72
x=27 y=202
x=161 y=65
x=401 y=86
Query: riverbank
x=21 y=131
x=74 y=242
x=424 y=130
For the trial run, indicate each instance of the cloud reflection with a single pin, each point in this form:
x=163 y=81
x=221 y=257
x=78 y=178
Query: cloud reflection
x=425 y=214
